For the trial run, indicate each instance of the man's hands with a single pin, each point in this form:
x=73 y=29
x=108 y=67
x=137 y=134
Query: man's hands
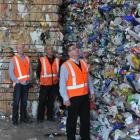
x=67 y=103
x=92 y=97
x=14 y=84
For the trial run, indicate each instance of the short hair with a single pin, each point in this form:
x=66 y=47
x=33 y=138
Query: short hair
x=70 y=45
x=23 y=45
x=48 y=47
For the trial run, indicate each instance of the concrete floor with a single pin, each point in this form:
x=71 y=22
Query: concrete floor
x=32 y=131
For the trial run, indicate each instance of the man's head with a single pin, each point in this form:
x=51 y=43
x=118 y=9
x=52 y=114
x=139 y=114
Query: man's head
x=20 y=48
x=49 y=50
x=73 y=50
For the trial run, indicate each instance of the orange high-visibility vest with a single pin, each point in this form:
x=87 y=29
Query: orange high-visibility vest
x=49 y=73
x=76 y=83
x=21 y=68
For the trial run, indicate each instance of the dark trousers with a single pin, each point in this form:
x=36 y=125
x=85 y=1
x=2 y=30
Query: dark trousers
x=79 y=107
x=47 y=97
x=20 y=96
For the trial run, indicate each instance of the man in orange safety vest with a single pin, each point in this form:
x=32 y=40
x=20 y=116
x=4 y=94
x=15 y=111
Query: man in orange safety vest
x=75 y=86
x=48 y=75
x=20 y=73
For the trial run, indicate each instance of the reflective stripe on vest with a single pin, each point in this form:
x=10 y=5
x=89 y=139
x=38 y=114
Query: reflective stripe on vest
x=73 y=74
x=49 y=72
x=26 y=76
x=77 y=86
x=19 y=69
x=45 y=69
x=76 y=83
x=27 y=59
x=57 y=64
x=85 y=64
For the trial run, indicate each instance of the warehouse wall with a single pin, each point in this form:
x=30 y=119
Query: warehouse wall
x=33 y=22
